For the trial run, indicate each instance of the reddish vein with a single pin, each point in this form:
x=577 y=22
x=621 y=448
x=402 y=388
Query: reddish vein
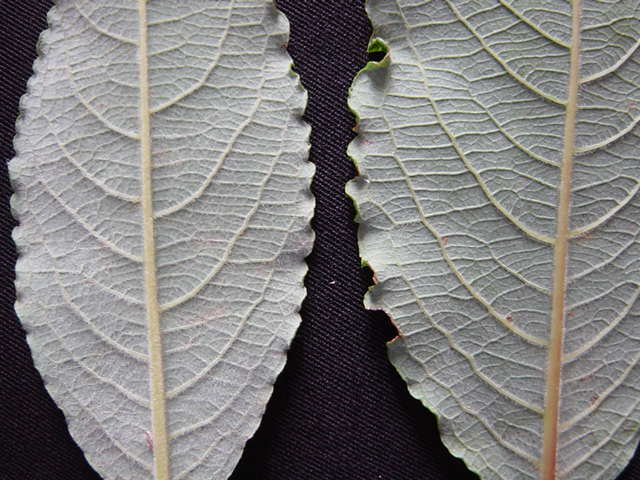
x=560 y=256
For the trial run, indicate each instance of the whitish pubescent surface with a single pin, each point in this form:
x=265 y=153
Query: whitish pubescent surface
x=499 y=155
x=162 y=191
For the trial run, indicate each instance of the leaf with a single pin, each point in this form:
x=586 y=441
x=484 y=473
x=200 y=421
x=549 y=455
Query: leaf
x=164 y=210
x=499 y=209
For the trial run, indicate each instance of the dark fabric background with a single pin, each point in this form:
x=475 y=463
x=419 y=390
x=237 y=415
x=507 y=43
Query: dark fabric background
x=339 y=410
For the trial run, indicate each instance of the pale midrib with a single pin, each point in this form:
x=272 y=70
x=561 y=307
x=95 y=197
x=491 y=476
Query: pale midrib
x=160 y=442
x=560 y=255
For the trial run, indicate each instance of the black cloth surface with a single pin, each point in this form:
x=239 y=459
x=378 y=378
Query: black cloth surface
x=339 y=410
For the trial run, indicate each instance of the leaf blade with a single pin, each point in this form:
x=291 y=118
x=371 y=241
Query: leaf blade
x=143 y=196
x=460 y=153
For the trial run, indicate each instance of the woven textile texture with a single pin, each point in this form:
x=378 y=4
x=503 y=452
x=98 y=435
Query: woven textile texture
x=339 y=410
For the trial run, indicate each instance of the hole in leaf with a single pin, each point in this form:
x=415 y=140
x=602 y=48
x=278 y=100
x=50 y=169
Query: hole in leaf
x=377 y=56
x=377 y=50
